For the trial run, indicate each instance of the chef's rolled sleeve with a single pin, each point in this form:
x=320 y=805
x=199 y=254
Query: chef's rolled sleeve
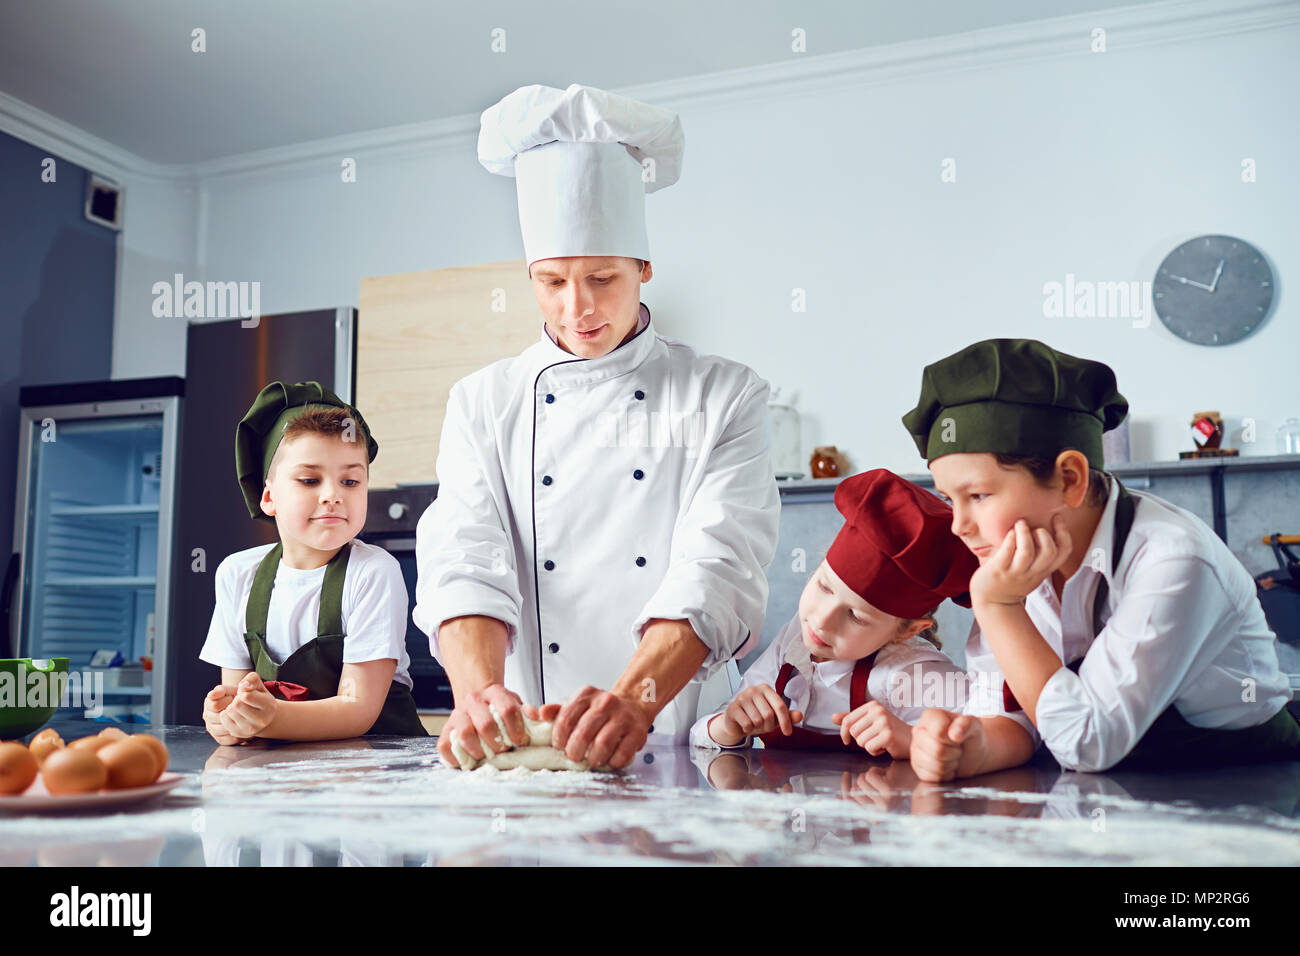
x=724 y=539
x=1174 y=619
x=464 y=561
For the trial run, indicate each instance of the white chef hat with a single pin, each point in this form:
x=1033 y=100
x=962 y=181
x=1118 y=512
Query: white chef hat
x=583 y=160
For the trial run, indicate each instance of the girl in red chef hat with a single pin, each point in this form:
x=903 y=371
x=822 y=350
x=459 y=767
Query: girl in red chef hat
x=860 y=661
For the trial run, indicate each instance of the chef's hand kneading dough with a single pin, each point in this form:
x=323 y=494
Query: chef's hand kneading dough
x=538 y=754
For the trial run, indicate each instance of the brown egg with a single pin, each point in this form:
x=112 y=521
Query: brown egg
x=159 y=750
x=42 y=746
x=92 y=743
x=113 y=733
x=17 y=768
x=129 y=764
x=73 y=770
x=49 y=733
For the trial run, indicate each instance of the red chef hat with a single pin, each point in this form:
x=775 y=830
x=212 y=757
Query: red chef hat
x=896 y=549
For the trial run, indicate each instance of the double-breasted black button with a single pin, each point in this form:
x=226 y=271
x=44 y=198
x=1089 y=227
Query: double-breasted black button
x=549 y=398
x=640 y=395
x=649 y=758
x=553 y=648
x=546 y=479
x=549 y=565
x=640 y=562
x=638 y=474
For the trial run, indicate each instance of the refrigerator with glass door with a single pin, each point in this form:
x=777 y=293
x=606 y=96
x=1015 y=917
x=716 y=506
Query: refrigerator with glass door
x=89 y=574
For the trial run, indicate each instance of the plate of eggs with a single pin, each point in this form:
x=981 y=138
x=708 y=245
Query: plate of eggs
x=108 y=769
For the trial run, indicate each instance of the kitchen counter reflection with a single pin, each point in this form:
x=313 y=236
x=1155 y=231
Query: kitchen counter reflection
x=389 y=801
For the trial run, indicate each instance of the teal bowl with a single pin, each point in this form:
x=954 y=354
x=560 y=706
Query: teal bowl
x=17 y=689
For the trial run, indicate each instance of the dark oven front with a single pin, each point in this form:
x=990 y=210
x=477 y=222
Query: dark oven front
x=391 y=516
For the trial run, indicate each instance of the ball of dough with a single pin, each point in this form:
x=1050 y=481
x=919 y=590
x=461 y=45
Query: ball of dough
x=537 y=754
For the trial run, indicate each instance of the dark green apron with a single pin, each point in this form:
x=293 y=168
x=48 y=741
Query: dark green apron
x=1171 y=742
x=318 y=664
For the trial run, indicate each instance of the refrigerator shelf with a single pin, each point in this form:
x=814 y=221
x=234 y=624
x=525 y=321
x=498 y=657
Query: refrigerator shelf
x=102 y=581
x=117 y=512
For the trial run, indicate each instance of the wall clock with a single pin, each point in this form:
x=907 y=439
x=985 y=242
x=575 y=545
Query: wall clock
x=1213 y=290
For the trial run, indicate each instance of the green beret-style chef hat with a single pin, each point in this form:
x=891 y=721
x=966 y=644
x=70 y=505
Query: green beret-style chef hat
x=1018 y=397
x=258 y=435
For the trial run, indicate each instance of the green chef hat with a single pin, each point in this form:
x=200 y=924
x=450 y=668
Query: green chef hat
x=258 y=435
x=1015 y=396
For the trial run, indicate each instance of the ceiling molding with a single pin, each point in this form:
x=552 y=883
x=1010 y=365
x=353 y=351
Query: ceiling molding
x=74 y=144
x=1126 y=28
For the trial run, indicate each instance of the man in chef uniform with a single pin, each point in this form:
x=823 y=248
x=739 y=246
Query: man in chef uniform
x=606 y=505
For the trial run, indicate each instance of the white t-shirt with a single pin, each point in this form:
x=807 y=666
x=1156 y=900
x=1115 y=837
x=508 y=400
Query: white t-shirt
x=373 y=607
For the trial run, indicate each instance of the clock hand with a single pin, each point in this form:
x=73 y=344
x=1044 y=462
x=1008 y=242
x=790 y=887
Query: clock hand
x=1214 y=283
x=1198 y=285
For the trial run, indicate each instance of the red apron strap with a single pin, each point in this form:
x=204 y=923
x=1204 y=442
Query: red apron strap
x=804 y=739
x=858 y=683
x=783 y=677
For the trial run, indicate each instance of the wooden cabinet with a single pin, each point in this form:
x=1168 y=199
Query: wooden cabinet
x=418 y=333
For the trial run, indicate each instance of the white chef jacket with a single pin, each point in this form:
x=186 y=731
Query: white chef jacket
x=900 y=679
x=580 y=498
x=1183 y=626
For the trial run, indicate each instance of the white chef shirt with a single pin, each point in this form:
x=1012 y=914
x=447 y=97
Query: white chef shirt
x=580 y=498
x=1183 y=626
x=373 y=608
x=902 y=678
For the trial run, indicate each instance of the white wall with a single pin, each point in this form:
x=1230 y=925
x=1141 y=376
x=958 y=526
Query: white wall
x=1096 y=164
x=157 y=242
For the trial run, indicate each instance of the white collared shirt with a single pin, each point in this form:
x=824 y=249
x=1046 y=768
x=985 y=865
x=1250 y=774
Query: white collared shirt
x=1183 y=627
x=903 y=678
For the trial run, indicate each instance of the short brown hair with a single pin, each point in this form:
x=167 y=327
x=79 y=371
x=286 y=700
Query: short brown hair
x=1042 y=471
x=320 y=421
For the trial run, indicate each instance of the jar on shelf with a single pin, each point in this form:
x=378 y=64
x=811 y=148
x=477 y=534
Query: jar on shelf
x=1288 y=437
x=828 y=462
x=787 y=436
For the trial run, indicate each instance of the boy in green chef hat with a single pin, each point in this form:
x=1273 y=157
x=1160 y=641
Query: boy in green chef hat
x=1113 y=626
x=309 y=632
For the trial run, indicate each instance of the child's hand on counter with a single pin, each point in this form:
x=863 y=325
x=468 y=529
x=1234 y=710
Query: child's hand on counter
x=251 y=711
x=754 y=711
x=214 y=703
x=947 y=745
x=875 y=730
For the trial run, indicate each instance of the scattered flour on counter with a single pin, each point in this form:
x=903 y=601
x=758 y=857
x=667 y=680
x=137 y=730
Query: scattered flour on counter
x=404 y=801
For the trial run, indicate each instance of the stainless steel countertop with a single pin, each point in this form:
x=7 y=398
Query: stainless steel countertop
x=389 y=801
